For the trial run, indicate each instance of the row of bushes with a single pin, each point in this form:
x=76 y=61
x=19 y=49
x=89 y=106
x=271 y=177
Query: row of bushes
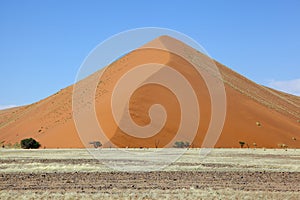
x=28 y=143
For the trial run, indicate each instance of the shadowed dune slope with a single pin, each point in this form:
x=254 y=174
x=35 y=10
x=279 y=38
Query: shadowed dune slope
x=257 y=115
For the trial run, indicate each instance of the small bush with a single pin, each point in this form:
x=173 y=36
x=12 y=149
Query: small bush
x=96 y=144
x=30 y=143
x=181 y=144
x=17 y=145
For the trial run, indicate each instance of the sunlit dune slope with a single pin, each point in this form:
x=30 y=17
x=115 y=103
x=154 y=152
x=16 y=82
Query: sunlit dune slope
x=256 y=115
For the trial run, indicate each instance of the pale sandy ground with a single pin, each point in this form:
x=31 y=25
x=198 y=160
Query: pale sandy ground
x=157 y=194
x=222 y=174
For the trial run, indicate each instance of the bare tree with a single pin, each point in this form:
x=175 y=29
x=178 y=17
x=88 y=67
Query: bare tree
x=96 y=144
x=242 y=143
x=156 y=143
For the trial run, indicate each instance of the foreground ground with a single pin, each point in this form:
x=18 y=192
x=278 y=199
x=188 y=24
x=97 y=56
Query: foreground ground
x=222 y=174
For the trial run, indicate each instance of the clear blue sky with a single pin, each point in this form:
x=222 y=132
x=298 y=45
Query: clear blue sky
x=43 y=43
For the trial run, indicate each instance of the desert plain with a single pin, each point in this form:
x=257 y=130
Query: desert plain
x=221 y=174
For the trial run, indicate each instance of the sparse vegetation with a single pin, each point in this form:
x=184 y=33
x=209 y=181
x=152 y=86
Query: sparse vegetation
x=16 y=145
x=284 y=146
x=30 y=143
x=8 y=145
x=181 y=144
x=242 y=143
x=272 y=160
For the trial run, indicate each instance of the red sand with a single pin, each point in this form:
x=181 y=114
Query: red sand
x=50 y=121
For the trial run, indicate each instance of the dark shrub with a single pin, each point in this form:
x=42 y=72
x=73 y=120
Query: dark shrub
x=96 y=144
x=30 y=143
x=181 y=144
x=242 y=143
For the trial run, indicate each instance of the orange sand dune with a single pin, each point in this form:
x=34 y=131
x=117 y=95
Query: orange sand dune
x=255 y=114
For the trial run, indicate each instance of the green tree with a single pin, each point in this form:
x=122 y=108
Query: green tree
x=30 y=143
